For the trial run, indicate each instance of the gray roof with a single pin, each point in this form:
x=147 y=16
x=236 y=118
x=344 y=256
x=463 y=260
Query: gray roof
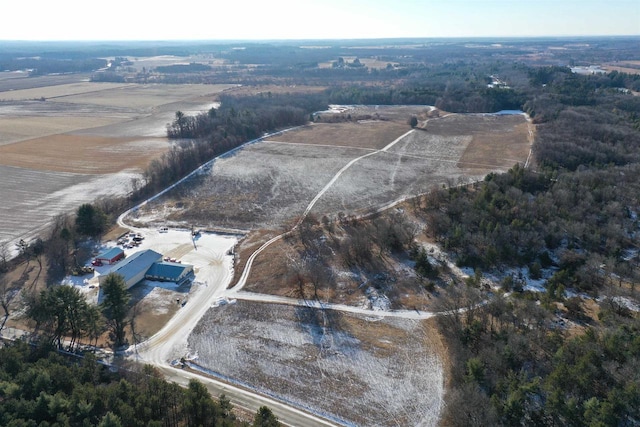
x=135 y=263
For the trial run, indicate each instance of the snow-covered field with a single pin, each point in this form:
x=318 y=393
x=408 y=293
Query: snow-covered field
x=341 y=366
x=271 y=182
x=261 y=185
x=31 y=198
x=137 y=114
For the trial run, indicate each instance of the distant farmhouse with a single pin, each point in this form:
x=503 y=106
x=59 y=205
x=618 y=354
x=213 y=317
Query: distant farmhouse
x=148 y=264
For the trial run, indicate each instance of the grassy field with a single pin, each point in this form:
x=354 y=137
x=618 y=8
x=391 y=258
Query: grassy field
x=59 y=91
x=264 y=187
x=630 y=67
x=142 y=97
x=82 y=154
x=21 y=128
x=261 y=186
x=31 y=198
x=372 y=135
x=342 y=366
x=270 y=183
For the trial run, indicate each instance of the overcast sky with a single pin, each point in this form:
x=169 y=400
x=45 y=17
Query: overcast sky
x=318 y=19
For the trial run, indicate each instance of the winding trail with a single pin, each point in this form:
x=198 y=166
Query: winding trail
x=247 y=268
x=377 y=314
x=171 y=339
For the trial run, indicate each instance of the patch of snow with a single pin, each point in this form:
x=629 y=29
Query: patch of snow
x=377 y=301
x=628 y=303
x=630 y=254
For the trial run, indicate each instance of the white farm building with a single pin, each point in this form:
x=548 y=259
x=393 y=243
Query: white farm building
x=148 y=264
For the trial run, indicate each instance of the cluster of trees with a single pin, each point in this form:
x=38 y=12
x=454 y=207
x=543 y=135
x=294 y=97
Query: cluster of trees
x=41 y=388
x=369 y=247
x=60 y=246
x=582 y=223
x=42 y=66
x=62 y=313
x=238 y=120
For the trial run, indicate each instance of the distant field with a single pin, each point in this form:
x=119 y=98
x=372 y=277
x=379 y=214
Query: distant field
x=622 y=69
x=63 y=90
x=18 y=80
x=164 y=60
x=82 y=154
x=274 y=89
x=84 y=141
x=20 y=128
x=373 y=135
x=367 y=62
x=144 y=96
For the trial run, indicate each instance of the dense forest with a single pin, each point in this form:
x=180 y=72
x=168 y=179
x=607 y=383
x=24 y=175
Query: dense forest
x=570 y=355
x=39 y=387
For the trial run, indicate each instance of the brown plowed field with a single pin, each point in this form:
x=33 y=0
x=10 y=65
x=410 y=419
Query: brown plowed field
x=67 y=141
x=82 y=154
x=371 y=134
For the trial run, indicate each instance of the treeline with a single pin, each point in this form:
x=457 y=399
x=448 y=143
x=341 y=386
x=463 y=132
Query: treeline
x=581 y=223
x=458 y=87
x=183 y=68
x=238 y=120
x=40 y=388
x=41 y=66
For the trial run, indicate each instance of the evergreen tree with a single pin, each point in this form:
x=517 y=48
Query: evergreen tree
x=115 y=307
x=90 y=220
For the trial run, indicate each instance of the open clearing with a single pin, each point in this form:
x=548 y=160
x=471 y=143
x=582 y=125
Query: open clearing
x=260 y=186
x=270 y=183
x=372 y=134
x=31 y=198
x=338 y=365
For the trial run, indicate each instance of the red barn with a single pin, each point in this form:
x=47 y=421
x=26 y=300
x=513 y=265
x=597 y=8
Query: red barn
x=111 y=256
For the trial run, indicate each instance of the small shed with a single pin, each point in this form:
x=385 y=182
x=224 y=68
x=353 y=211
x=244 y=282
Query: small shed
x=110 y=256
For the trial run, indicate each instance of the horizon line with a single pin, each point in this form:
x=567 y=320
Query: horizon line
x=236 y=40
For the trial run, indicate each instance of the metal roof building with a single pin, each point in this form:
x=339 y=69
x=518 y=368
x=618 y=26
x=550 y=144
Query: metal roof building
x=134 y=268
x=148 y=264
x=170 y=272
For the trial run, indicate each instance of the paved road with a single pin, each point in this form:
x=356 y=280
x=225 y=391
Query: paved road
x=245 y=399
x=170 y=342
